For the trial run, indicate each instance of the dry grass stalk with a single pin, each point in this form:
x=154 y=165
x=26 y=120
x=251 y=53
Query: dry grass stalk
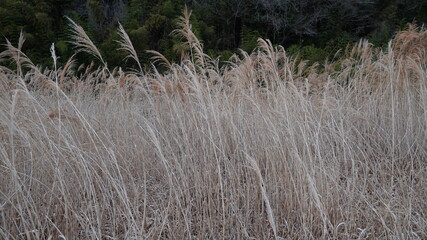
x=270 y=214
x=82 y=42
x=196 y=47
x=126 y=44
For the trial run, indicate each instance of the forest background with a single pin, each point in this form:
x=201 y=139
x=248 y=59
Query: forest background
x=313 y=29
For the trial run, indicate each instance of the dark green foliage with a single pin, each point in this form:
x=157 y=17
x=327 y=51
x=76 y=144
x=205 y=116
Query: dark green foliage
x=309 y=52
x=314 y=29
x=249 y=39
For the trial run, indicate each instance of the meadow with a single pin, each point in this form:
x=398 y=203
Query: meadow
x=266 y=146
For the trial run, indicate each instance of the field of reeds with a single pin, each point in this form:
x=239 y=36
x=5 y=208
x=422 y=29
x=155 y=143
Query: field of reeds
x=263 y=147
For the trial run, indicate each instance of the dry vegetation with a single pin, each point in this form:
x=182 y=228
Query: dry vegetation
x=265 y=147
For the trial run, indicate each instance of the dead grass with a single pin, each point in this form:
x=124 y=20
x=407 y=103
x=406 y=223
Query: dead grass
x=264 y=148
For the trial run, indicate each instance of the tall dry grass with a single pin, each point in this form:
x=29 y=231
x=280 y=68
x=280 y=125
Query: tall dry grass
x=265 y=147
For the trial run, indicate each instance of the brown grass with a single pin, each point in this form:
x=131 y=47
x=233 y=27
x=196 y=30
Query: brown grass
x=264 y=148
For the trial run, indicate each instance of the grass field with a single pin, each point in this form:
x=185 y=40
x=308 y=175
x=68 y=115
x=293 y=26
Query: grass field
x=264 y=147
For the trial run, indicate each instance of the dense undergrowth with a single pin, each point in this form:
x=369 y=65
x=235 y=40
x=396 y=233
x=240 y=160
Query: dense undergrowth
x=263 y=147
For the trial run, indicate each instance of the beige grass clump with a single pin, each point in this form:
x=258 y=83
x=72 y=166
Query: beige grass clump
x=411 y=43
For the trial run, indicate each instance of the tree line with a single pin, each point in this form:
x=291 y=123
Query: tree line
x=315 y=29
